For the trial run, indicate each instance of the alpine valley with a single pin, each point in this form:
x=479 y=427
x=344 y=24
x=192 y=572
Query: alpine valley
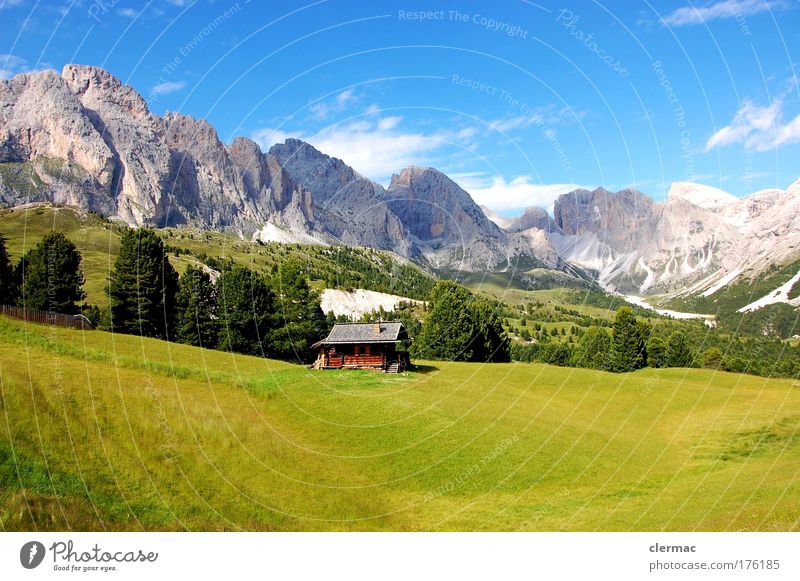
x=84 y=139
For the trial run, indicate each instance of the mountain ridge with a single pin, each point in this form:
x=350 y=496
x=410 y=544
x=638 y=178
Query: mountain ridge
x=83 y=138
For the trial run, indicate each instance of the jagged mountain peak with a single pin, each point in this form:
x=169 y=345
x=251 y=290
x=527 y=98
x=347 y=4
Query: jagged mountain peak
x=534 y=217
x=95 y=86
x=433 y=185
x=412 y=172
x=91 y=141
x=794 y=189
x=700 y=195
x=501 y=221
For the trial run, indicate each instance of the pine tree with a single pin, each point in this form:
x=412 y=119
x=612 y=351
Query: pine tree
x=656 y=352
x=196 y=309
x=9 y=289
x=679 y=351
x=245 y=305
x=461 y=327
x=628 y=344
x=713 y=359
x=51 y=277
x=491 y=343
x=299 y=321
x=448 y=329
x=593 y=350
x=142 y=286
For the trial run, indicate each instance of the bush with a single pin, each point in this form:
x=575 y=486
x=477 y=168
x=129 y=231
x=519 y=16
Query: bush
x=713 y=359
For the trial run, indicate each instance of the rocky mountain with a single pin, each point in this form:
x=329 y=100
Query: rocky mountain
x=83 y=138
x=689 y=243
x=442 y=221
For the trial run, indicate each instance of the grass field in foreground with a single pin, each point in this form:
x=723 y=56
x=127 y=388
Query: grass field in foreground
x=101 y=431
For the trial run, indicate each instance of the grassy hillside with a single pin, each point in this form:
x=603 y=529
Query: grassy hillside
x=98 y=242
x=101 y=431
x=778 y=320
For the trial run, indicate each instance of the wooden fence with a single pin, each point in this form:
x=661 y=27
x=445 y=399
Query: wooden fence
x=46 y=317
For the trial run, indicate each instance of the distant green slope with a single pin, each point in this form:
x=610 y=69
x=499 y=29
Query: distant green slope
x=110 y=432
x=98 y=241
x=779 y=319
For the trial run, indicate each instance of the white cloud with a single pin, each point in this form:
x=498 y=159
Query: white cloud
x=345 y=97
x=168 y=87
x=508 y=123
x=127 y=12
x=267 y=137
x=389 y=123
x=322 y=110
x=514 y=196
x=689 y=15
x=375 y=147
x=11 y=65
x=542 y=116
x=758 y=128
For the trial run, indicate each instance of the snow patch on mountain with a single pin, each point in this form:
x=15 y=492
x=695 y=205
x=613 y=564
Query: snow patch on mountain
x=640 y=302
x=359 y=302
x=272 y=233
x=779 y=295
x=723 y=282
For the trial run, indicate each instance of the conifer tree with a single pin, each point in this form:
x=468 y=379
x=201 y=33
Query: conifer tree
x=245 y=305
x=679 y=351
x=9 y=288
x=196 y=308
x=51 y=277
x=628 y=345
x=593 y=350
x=656 y=352
x=142 y=286
x=298 y=321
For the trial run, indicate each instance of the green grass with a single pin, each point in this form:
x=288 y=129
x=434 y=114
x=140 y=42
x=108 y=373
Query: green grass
x=113 y=432
x=98 y=242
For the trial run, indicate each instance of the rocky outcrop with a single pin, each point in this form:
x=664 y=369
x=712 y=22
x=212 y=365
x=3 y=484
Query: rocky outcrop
x=56 y=153
x=356 y=208
x=85 y=139
x=618 y=219
x=533 y=218
x=444 y=223
x=698 y=236
x=134 y=137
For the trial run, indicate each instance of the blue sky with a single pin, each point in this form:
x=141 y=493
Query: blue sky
x=516 y=100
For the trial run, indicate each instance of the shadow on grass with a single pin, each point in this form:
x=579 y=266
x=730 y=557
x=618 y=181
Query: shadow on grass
x=423 y=369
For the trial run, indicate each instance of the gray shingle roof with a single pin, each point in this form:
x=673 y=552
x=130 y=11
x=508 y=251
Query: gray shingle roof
x=389 y=332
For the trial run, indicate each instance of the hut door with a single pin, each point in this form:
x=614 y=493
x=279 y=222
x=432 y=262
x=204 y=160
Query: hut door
x=367 y=349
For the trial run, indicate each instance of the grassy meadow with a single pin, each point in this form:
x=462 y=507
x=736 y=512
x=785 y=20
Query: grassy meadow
x=112 y=432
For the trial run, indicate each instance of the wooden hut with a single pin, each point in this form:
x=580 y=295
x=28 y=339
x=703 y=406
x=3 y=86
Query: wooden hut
x=363 y=346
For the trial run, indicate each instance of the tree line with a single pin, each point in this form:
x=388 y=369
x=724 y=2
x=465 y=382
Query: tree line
x=632 y=344
x=239 y=310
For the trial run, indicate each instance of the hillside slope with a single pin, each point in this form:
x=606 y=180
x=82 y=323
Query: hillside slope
x=110 y=432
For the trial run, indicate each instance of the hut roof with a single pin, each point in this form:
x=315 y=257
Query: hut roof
x=378 y=332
